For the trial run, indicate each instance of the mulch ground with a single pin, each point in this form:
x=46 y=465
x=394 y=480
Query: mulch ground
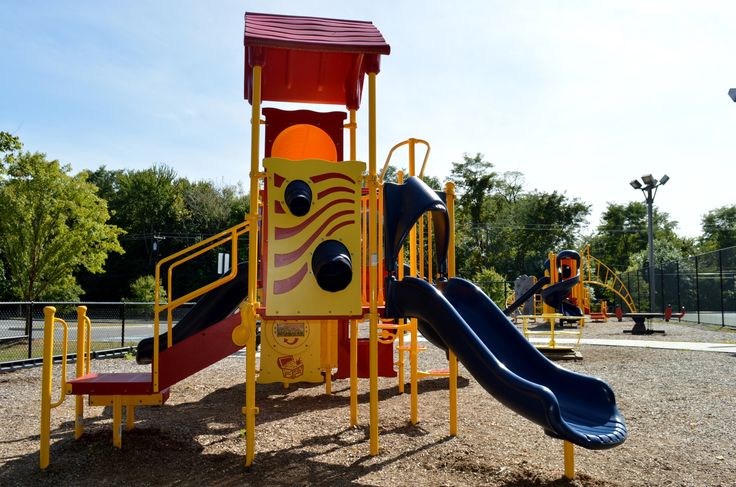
x=680 y=408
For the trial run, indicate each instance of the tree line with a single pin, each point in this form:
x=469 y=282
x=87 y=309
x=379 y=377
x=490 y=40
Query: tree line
x=96 y=235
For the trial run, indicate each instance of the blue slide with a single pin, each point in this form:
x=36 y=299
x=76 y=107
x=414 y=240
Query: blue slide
x=567 y=405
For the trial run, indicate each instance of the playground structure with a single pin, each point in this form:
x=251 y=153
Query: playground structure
x=593 y=273
x=326 y=242
x=560 y=290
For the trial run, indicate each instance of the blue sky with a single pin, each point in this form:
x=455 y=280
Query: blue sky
x=579 y=96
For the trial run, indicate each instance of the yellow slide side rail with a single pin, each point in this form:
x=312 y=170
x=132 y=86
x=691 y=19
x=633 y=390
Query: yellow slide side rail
x=230 y=235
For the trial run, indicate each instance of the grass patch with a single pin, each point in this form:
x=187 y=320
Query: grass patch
x=19 y=351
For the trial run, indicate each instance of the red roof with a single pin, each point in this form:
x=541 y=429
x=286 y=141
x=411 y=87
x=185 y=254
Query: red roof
x=311 y=59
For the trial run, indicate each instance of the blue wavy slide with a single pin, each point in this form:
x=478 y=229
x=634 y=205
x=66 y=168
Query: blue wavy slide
x=567 y=405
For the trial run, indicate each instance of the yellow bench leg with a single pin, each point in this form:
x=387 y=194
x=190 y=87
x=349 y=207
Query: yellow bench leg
x=117 y=420
x=129 y=417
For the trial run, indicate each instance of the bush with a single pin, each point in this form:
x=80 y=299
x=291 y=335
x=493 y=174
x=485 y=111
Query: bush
x=142 y=289
x=493 y=284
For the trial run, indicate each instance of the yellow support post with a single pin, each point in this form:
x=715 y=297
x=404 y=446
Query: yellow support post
x=353 y=129
x=353 y=373
x=553 y=278
x=117 y=421
x=400 y=332
x=156 y=331
x=569 y=452
x=414 y=347
x=250 y=352
x=129 y=417
x=414 y=372
x=81 y=362
x=250 y=391
x=48 y=350
x=450 y=192
x=373 y=261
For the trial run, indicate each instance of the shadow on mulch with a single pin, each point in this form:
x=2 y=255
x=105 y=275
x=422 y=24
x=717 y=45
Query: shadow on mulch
x=157 y=459
x=166 y=448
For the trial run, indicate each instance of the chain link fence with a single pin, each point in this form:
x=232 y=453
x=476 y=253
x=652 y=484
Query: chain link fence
x=115 y=325
x=704 y=284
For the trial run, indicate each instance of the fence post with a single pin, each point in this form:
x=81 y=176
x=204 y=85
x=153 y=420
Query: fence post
x=679 y=302
x=661 y=285
x=697 y=288
x=638 y=291
x=122 y=323
x=720 y=274
x=29 y=328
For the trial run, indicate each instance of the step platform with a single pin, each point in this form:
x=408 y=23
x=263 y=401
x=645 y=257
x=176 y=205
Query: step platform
x=112 y=384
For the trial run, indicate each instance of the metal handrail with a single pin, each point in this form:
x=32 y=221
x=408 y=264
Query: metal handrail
x=411 y=142
x=231 y=234
x=46 y=379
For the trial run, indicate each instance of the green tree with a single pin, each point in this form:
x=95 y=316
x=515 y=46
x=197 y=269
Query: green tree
x=502 y=226
x=537 y=223
x=9 y=143
x=719 y=228
x=474 y=180
x=143 y=290
x=162 y=213
x=665 y=250
x=622 y=233
x=51 y=225
x=493 y=284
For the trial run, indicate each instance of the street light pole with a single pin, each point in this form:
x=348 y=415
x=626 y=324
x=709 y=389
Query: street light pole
x=650 y=242
x=649 y=189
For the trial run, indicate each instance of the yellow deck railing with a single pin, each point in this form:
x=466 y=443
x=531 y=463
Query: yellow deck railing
x=552 y=333
x=173 y=261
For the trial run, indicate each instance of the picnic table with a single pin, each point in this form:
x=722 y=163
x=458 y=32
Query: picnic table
x=640 y=319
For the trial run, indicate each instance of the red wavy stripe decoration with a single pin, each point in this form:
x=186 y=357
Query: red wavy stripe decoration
x=331 y=175
x=335 y=189
x=283 y=286
x=285 y=232
x=281 y=260
x=339 y=226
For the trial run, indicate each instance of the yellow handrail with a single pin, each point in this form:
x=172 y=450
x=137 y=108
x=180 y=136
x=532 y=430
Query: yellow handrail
x=411 y=142
x=230 y=235
x=84 y=344
x=50 y=319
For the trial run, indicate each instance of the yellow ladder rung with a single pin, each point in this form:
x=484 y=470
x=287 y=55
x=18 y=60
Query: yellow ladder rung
x=433 y=373
x=408 y=348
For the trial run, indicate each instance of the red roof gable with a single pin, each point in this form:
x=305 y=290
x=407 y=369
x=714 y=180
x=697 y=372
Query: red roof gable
x=311 y=59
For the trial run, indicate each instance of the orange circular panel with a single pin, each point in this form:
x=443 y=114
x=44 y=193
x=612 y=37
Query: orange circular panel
x=304 y=141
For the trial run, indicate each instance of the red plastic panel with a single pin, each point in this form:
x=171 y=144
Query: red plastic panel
x=197 y=352
x=279 y=120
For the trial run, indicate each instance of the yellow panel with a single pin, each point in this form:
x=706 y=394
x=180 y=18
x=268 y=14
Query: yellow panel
x=290 y=352
x=290 y=287
x=141 y=400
